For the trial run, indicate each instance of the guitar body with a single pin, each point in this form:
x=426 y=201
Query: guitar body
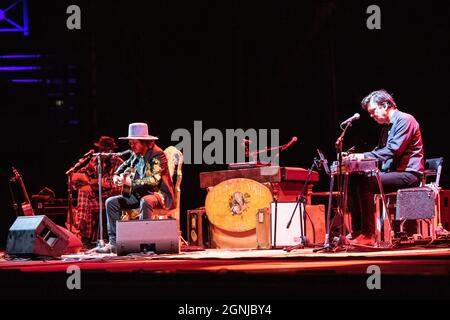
x=27 y=209
x=127 y=182
x=80 y=180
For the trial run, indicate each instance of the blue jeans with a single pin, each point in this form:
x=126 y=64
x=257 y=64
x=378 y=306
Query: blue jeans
x=115 y=205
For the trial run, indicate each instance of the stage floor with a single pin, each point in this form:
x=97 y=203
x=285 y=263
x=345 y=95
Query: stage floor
x=235 y=274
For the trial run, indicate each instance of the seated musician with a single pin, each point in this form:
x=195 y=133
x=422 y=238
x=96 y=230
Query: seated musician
x=400 y=152
x=86 y=179
x=145 y=180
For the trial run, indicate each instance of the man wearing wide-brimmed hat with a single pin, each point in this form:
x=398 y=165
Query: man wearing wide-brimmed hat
x=86 y=181
x=151 y=184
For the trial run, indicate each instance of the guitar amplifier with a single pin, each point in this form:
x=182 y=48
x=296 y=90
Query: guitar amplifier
x=56 y=209
x=198 y=228
x=415 y=203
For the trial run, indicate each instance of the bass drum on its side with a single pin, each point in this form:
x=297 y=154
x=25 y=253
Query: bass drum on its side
x=233 y=204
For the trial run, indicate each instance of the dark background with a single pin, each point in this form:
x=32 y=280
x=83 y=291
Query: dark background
x=299 y=66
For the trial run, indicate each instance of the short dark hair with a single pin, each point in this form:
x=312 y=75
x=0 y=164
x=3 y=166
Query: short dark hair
x=379 y=97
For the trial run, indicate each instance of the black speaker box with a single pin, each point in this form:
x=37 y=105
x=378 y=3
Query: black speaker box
x=39 y=236
x=198 y=230
x=56 y=210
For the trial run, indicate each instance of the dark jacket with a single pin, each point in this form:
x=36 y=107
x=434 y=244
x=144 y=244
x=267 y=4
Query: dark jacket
x=403 y=149
x=156 y=179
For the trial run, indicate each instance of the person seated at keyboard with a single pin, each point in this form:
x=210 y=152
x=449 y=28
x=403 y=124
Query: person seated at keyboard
x=400 y=151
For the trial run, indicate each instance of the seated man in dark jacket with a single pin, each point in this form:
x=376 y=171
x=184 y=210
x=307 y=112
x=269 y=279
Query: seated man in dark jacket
x=400 y=151
x=149 y=183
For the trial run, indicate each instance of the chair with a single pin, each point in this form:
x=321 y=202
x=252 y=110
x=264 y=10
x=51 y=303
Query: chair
x=433 y=167
x=421 y=209
x=175 y=163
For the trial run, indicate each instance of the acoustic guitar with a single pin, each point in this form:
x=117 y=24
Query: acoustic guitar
x=80 y=180
x=126 y=179
x=26 y=207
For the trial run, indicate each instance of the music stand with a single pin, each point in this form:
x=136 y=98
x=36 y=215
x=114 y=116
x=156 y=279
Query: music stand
x=301 y=199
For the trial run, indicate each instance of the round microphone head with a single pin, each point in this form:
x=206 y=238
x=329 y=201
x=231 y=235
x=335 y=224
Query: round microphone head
x=356 y=116
x=294 y=139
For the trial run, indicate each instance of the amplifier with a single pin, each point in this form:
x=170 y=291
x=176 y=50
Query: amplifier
x=415 y=203
x=198 y=228
x=55 y=210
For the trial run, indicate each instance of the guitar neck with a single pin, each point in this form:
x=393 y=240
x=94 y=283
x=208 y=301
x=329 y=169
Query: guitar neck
x=22 y=185
x=95 y=181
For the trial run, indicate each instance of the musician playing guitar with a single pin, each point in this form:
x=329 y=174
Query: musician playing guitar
x=400 y=151
x=144 y=178
x=86 y=182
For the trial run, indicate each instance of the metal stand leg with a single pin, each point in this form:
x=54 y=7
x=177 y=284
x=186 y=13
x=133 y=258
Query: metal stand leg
x=347 y=218
x=327 y=244
x=383 y=229
x=330 y=203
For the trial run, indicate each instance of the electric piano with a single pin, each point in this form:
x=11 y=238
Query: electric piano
x=286 y=183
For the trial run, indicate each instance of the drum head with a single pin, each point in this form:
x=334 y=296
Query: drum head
x=233 y=204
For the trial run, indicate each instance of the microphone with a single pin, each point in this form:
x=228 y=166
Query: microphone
x=287 y=145
x=88 y=153
x=356 y=116
x=123 y=153
x=82 y=160
x=113 y=154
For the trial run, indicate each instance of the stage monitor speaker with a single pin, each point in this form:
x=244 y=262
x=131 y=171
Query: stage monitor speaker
x=39 y=236
x=415 y=203
x=158 y=236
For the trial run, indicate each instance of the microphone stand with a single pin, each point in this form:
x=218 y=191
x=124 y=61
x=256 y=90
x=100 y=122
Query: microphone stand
x=100 y=241
x=328 y=245
x=69 y=173
x=341 y=187
x=254 y=154
x=69 y=202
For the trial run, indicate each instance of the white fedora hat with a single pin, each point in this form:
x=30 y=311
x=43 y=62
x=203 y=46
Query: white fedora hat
x=138 y=131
